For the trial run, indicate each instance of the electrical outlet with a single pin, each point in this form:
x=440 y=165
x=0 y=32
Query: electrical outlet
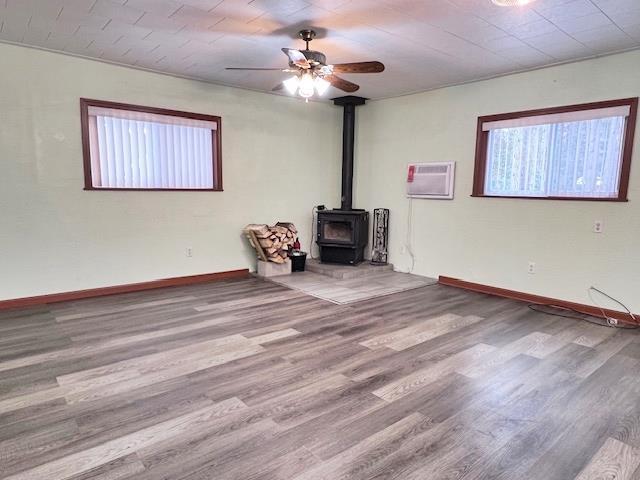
x=531 y=268
x=188 y=252
x=598 y=226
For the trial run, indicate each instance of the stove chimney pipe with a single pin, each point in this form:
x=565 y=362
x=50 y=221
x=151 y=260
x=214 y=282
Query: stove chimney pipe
x=349 y=103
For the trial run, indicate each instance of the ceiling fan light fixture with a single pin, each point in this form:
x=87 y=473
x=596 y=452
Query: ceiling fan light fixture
x=291 y=84
x=306 y=86
x=321 y=85
x=312 y=74
x=511 y=3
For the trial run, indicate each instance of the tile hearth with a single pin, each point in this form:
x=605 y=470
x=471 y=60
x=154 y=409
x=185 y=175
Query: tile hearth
x=343 y=284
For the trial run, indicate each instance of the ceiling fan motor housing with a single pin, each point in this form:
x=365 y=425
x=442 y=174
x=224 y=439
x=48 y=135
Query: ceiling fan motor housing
x=307 y=35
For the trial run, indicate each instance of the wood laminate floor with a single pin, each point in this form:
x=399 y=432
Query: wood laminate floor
x=247 y=379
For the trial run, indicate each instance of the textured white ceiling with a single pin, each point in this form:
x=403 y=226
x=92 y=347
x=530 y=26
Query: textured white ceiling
x=423 y=43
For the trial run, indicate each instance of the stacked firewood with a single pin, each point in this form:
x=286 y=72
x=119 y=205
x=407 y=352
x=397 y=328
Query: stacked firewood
x=274 y=243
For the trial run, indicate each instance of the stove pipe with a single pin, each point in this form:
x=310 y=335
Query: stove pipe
x=349 y=103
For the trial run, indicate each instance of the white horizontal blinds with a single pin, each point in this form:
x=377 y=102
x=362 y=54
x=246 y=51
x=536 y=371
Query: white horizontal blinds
x=570 y=159
x=565 y=117
x=145 y=151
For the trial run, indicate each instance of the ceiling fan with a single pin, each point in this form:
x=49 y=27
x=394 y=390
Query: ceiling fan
x=312 y=74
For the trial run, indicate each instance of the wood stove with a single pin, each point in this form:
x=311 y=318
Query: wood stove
x=342 y=234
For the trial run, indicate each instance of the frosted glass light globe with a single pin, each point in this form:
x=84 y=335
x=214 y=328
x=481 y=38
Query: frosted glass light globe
x=305 y=89
x=291 y=84
x=321 y=85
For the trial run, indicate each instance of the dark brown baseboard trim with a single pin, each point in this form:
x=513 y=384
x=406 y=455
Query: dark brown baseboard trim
x=538 y=299
x=132 y=287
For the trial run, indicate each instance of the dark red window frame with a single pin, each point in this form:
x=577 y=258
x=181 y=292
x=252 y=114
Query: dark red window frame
x=482 y=138
x=85 y=103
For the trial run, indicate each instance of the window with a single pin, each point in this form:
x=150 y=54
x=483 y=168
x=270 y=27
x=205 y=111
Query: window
x=128 y=147
x=578 y=152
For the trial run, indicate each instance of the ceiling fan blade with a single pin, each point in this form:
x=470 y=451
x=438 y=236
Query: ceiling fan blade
x=296 y=57
x=359 y=67
x=257 y=68
x=341 y=83
x=278 y=87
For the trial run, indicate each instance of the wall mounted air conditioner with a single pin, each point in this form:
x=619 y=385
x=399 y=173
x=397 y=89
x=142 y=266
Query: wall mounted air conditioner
x=431 y=180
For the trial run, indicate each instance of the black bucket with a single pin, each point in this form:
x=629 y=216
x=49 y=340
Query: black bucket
x=298 y=261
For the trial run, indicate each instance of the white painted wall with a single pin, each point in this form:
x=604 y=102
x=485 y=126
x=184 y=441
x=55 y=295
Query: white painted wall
x=491 y=241
x=280 y=157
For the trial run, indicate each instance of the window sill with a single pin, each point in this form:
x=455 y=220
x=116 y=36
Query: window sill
x=578 y=199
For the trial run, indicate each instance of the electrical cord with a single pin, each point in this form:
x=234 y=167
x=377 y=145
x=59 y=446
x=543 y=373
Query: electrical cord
x=314 y=211
x=610 y=321
x=605 y=321
x=407 y=242
x=547 y=309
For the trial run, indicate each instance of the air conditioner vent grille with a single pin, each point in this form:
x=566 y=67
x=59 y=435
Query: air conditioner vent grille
x=431 y=180
x=431 y=169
